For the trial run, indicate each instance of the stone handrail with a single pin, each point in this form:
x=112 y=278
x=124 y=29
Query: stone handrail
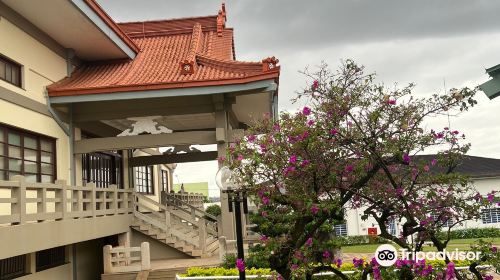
x=164 y=218
x=193 y=199
x=38 y=202
x=195 y=212
x=126 y=259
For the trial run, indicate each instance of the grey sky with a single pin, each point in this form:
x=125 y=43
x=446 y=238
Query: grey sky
x=432 y=43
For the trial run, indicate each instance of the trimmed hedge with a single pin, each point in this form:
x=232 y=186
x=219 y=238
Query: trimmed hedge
x=360 y=240
x=471 y=233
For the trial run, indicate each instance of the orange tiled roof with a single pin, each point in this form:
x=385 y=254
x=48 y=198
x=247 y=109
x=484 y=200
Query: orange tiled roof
x=175 y=53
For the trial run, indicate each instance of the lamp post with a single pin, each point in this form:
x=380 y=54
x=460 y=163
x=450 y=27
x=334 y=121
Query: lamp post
x=236 y=195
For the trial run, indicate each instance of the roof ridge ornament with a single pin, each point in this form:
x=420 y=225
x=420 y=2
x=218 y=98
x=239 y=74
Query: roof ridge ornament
x=221 y=19
x=270 y=63
x=144 y=125
x=188 y=64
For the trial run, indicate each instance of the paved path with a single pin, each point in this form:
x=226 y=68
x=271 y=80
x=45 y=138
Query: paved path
x=184 y=263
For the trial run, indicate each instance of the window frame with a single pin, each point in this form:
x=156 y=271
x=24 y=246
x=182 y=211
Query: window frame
x=491 y=212
x=13 y=267
x=148 y=178
x=57 y=257
x=6 y=156
x=13 y=64
x=103 y=169
x=340 y=229
x=164 y=180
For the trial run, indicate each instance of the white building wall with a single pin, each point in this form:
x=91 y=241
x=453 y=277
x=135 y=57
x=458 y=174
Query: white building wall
x=356 y=226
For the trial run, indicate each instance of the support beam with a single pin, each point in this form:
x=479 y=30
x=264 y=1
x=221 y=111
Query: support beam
x=144 y=141
x=172 y=158
x=110 y=110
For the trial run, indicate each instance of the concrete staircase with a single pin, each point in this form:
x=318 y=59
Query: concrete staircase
x=181 y=227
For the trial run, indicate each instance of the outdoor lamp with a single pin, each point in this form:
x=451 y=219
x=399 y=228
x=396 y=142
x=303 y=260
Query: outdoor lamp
x=223 y=179
x=236 y=196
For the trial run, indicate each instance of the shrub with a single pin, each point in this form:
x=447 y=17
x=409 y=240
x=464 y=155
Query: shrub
x=471 y=233
x=220 y=271
x=214 y=210
x=360 y=239
x=229 y=261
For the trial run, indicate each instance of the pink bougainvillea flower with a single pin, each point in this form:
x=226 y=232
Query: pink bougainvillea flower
x=294 y=267
x=434 y=162
x=314 y=209
x=391 y=101
x=293 y=159
x=406 y=158
x=333 y=131
x=427 y=168
x=349 y=168
x=305 y=162
x=264 y=238
x=240 y=157
x=490 y=197
x=455 y=132
x=265 y=200
x=310 y=123
x=251 y=138
x=450 y=271
x=326 y=254
x=306 y=111
x=240 y=265
x=221 y=159
x=488 y=277
x=315 y=85
x=309 y=242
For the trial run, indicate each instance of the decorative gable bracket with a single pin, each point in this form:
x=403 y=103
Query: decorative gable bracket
x=269 y=64
x=221 y=20
x=187 y=67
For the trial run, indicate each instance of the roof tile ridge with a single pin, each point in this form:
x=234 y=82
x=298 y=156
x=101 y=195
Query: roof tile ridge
x=188 y=64
x=229 y=65
x=163 y=20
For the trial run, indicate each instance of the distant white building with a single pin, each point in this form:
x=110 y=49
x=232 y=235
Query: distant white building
x=485 y=175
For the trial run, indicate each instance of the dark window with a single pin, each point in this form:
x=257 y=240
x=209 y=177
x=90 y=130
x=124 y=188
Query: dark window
x=13 y=267
x=144 y=179
x=24 y=153
x=340 y=230
x=164 y=180
x=490 y=216
x=103 y=169
x=50 y=258
x=10 y=71
x=443 y=221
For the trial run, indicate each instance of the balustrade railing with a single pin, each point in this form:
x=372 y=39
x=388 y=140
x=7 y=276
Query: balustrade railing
x=193 y=199
x=126 y=259
x=22 y=202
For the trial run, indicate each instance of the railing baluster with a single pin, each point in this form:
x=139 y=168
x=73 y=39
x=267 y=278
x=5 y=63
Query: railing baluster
x=202 y=232
x=41 y=206
x=20 y=194
x=93 y=193
x=114 y=202
x=61 y=194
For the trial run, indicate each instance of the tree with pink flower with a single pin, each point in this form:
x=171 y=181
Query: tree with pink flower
x=357 y=144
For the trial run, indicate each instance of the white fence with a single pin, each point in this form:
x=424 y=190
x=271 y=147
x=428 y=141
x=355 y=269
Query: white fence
x=22 y=202
x=126 y=259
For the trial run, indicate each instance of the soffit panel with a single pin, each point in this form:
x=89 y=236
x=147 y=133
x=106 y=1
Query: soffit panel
x=64 y=22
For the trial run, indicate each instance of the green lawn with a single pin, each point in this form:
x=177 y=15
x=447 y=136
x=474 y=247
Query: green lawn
x=461 y=244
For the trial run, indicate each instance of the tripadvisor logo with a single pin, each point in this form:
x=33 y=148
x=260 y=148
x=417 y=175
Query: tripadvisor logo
x=387 y=255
